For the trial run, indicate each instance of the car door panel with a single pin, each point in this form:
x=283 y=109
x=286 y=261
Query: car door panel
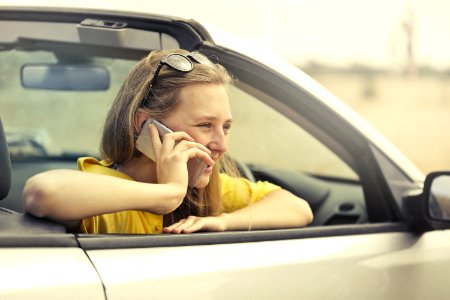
x=48 y=273
x=339 y=267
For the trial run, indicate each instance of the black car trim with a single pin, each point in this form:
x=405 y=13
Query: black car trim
x=101 y=242
x=189 y=34
x=75 y=49
x=32 y=240
x=24 y=230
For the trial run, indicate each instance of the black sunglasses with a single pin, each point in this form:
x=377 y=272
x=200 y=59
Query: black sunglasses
x=178 y=62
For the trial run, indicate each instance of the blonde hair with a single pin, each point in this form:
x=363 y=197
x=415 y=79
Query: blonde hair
x=119 y=133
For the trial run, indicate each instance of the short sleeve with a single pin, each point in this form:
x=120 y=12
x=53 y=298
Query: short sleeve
x=92 y=165
x=239 y=192
x=123 y=222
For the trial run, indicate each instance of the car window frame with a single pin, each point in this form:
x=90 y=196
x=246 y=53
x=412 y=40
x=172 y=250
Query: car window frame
x=120 y=241
x=278 y=87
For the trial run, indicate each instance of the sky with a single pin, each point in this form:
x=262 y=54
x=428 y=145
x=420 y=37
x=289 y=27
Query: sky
x=334 y=32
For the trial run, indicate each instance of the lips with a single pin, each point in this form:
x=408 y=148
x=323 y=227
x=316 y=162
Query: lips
x=209 y=168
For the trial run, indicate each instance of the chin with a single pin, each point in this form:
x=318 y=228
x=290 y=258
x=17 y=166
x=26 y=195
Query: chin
x=202 y=181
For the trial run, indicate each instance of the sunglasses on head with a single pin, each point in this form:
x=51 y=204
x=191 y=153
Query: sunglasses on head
x=180 y=63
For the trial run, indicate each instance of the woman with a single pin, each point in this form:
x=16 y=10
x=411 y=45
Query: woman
x=187 y=93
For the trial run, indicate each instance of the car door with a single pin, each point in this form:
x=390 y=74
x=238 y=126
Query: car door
x=381 y=261
x=359 y=246
x=39 y=262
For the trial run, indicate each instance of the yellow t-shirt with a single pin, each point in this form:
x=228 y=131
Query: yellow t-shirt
x=236 y=193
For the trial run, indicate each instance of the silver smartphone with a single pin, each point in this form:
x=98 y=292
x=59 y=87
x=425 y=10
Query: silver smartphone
x=144 y=144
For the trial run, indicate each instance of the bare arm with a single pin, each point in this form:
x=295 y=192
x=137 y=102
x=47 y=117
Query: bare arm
x=278 y=209
x=68 y=196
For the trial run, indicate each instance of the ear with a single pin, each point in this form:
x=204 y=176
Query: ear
x=139 y=118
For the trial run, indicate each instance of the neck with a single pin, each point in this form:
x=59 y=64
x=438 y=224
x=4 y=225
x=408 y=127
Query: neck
x=140 y=169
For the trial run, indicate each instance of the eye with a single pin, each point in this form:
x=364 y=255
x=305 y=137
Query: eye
x=205 y=125
x=227 y=127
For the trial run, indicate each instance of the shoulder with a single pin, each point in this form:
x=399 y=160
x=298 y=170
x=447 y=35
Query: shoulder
x=238 y=192
x=229 y=183
x=93 y=165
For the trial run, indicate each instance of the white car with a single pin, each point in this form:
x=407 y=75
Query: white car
x=379 y=226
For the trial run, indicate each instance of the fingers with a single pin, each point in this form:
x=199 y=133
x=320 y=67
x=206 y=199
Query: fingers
x=171 y=139
x=194 y=150
x=186 y=145
x=181 y=142
x=189 y=225
x=172 y=155
x=194 y=224
x=168 y=141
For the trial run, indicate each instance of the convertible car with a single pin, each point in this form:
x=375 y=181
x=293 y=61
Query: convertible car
x=379 y=229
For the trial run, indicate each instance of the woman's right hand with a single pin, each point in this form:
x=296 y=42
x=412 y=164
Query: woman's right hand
x=172 y=155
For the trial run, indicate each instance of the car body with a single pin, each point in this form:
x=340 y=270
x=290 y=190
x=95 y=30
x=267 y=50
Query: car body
x=371 y=236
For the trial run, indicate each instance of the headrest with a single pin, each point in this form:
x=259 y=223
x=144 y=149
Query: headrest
x=5 y=165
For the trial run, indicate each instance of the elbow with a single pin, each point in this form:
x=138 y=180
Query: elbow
x=306 y=214
x=309 y=215
x=37 y=196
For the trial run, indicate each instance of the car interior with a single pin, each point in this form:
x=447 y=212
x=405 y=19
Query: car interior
x=61 y=83
x=5 y=165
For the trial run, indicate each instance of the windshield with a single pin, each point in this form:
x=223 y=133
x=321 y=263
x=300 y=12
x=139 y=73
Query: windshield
x=54 y=123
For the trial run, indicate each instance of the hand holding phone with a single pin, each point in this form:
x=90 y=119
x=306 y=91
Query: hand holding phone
x=195 y=166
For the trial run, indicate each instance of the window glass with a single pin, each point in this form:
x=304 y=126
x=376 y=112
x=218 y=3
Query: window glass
x=263 y=136
x=51 y=122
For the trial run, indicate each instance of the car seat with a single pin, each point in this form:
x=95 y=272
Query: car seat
x=5 y=165
x=10 y=220
x=5 y=170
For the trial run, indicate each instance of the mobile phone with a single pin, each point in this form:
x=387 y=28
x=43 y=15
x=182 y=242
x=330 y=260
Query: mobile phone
x=144 y=144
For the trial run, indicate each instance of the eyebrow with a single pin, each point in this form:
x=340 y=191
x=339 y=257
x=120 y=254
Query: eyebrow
x=212 y=118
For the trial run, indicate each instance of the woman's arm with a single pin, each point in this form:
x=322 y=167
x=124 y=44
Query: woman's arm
x=278 y=209
x=68 y=196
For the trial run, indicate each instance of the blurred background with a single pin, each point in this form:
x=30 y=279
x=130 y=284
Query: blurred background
x=388 y=59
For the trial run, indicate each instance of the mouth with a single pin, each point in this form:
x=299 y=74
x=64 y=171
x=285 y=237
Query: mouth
x=209 y=168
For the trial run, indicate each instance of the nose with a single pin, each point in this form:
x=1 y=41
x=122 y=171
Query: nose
x=218 y=142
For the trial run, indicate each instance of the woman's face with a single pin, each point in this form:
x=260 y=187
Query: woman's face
x=204 y=113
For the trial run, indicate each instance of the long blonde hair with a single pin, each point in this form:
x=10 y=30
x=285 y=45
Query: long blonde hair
x=119 y=133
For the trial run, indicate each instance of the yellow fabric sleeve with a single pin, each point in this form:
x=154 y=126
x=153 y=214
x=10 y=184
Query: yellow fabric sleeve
x=124 y=222
x=239 y=192
x=92 y=165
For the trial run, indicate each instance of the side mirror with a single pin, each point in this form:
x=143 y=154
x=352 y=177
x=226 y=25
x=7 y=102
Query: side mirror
x=438 y=196
x=430 y=209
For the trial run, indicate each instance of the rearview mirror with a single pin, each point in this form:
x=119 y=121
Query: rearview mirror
x=65 y=77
